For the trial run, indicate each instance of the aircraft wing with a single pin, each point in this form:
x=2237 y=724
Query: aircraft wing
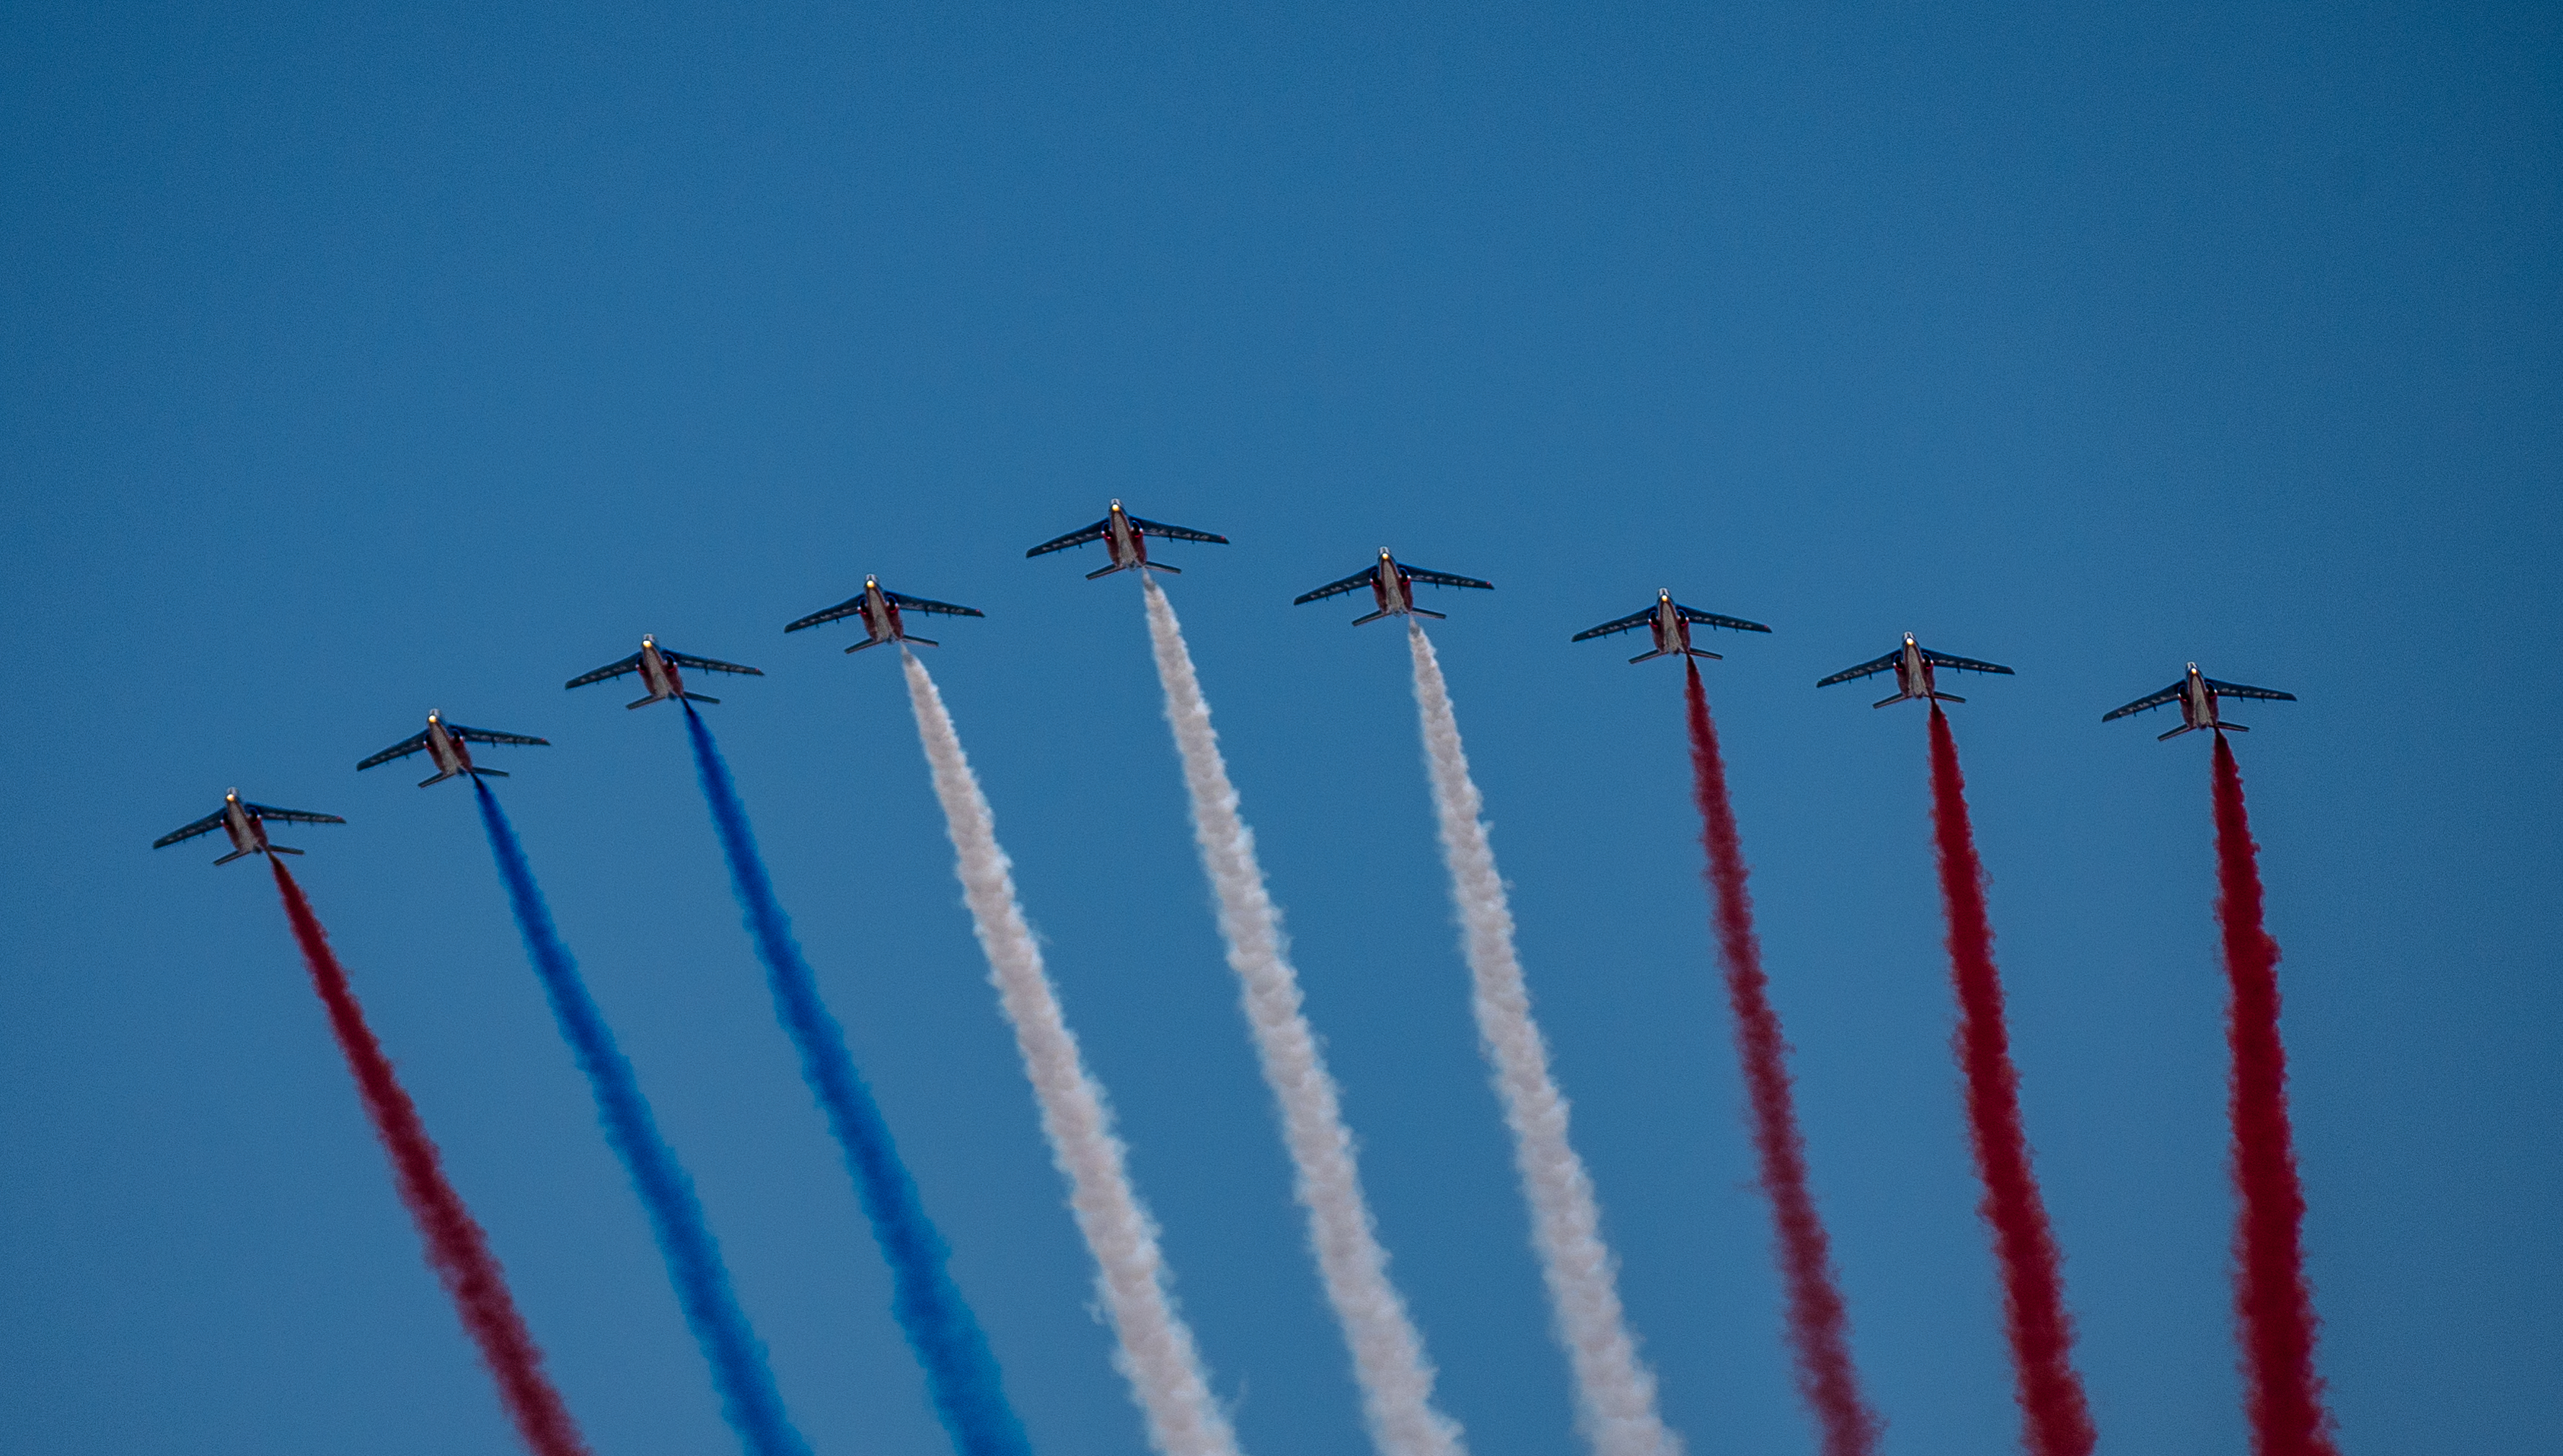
x=1444 y=578
x=1712 y=619
x=1093 y=533
x=920 y=604
x=845 y=608
x=206 y=825
x=484 y=735
x=1962 y=664
x=711 y=666
x=630 y=663
x=1628 y=623
x=2150 y=699
x=401 y=750
x=1864 y=670
x=1177 y=532
x=290 y=816
x=2237 y=689
x=1353 y=582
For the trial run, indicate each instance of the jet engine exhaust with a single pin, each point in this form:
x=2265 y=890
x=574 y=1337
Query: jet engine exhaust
x=1389 y=1363
x=1615 y=1391
x=457 y=1248
x=1157 y=1355
x=750 y=1402
x=2055 y=1415
x=1819 y=1324
x=960 y=1371
x=2272 y=1304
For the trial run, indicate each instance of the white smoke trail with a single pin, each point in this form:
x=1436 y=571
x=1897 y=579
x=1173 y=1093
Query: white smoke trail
x=1615 y=1391
x=1389 y=1363
x=1156 y=1351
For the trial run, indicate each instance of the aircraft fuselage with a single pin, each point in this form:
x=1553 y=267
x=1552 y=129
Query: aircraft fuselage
x=450 y=754
x=1673 y=632
x=248 y=832
x=657 y=674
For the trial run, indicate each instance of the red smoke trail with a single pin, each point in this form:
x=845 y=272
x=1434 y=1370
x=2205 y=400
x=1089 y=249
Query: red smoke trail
x=2055 y=1417
x=1819 y=1328
x=455 y=1246
x=2271 y=1299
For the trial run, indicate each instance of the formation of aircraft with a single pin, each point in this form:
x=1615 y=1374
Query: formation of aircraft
x=1125 y=538
x=246 y=823
x=1670 y=623
x=1392 y=586
x=2196 y=693
x=657 y=668
x=879 y=608
x=1912 y=663
x=444 y=745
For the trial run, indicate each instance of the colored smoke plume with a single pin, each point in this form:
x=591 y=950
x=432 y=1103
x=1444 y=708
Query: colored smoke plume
x=1389 y=1363
x=2272 y=1304
x=455 y=1247
x=960 y=1372
x=1819 y=1326
x=1615 y=1391
x=2055 y=1416
x=749 y=1400
x=1157 y=1355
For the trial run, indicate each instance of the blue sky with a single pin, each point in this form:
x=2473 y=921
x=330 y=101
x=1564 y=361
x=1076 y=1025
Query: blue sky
x=354 y=362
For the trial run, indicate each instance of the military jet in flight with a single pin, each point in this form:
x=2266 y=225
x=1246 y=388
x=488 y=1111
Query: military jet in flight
x=1125 y=538
x=1392 y=586
x=879 y=609
x=1912 y=663
x=246 y=823
x=2196 y=693
x=444 y=745
x=657 y=668
x=1671 y=622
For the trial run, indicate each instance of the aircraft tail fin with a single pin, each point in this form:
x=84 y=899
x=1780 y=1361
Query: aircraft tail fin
x=699 y=698
x=235 y=854
x=1373 y=617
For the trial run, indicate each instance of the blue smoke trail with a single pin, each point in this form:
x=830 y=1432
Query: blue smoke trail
x=749 y=1400
x=959 y=1369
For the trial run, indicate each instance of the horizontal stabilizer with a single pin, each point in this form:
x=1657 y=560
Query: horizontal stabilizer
x=922 y=641
x=699 y=698
x=235 y=854
x=1373 y=617
x=432 y=783
x=1108 y=570
x=1162 y=566
x=868 y=642
x=2233 y=727
x=1948 y=697
x=1898 y=697
x=1429 y=612
x=644 y=703
x=282 y=849
x=1705 y=651
x=1642 y=657
x=2187 y=727
x=489 y=773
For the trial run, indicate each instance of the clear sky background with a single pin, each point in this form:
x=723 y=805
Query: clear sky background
x=354 y=362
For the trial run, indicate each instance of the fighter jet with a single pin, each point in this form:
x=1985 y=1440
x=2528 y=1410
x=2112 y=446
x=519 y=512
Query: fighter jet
x=444 y=745
x=2197 y=694
x=1392 y=586
x=1671 y=622
x=1126 y=538
x=1912 y=663
x=879 y=609
x=246 y=823
x=657 y=668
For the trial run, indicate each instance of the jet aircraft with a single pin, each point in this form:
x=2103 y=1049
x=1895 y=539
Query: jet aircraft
x=1125 y=538
x=445 y=743
x=1912 y=663
x=878 y=607
x=2196 y=693
x=1670 y=623
x=1392 y=586
x=657 y=668
x=246 y=823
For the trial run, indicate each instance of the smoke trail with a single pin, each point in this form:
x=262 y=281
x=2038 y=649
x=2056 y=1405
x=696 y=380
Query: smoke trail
x=960 y=1372
x=1819 y=1326
x=2272 y=1301
x=749 y=1400
x=2055 y=1417
x=455 y=1247
x=1615 y=1391
x=1388 y=1354
x=1156 y=1353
